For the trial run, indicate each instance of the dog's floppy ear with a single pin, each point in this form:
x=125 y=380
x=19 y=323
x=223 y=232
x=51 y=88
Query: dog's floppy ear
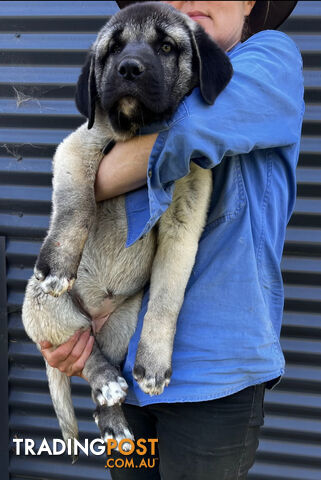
x=215 y=69
x=86 y=92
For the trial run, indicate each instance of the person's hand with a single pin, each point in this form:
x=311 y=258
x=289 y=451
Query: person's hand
x=71 y=356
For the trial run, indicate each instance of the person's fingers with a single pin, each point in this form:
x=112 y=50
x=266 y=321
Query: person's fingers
x=78 y=366
x=68 y=366
x=71 y=356
x=57 y=356
x=45 y=349
x=79 y=347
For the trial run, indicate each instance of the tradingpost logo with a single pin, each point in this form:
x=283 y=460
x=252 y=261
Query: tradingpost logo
x=117 y=452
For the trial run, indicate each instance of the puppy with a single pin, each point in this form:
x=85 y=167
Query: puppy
x=142 y=64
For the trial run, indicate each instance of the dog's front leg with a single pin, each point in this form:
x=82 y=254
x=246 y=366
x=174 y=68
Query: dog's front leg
x=179 y=231
x=75 y=165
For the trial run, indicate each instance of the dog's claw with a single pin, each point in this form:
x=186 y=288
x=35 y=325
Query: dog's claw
x=39 y=275
x=123 y=384
x=56 y=286
x=152 y=383
x=125 y=435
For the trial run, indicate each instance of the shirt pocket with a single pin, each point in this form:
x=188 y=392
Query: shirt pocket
x=228 y=196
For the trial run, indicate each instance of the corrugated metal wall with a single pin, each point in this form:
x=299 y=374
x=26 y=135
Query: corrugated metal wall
x=43 y=45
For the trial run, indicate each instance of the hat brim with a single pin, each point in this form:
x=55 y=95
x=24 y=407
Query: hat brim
x=269 y=15
x=266 y=15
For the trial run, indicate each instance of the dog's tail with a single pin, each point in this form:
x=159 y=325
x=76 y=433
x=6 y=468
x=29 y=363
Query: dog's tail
x=59 y=387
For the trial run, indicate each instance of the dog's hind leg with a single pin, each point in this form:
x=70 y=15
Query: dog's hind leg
x=108 y=386
x=113 y=340
x=112 y=424
x=56 y=320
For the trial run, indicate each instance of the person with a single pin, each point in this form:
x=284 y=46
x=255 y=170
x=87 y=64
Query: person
x=227 y=348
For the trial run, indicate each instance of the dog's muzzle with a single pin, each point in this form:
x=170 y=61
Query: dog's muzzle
x=130 y=69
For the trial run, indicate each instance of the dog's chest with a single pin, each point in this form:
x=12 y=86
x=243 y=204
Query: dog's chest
x=107 y=266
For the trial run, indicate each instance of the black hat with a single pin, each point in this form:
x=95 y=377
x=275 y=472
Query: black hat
x=265 y=14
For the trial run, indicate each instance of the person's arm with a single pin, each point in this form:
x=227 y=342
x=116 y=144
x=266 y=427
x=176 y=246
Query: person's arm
x=124 y=168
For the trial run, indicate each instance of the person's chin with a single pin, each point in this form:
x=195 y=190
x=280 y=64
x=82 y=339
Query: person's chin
x=205 y=22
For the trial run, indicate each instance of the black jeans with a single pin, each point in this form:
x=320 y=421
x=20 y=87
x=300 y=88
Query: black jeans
x=215 y=440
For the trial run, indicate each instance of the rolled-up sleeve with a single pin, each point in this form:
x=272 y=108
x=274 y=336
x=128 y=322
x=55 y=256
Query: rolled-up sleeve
x=260 y=108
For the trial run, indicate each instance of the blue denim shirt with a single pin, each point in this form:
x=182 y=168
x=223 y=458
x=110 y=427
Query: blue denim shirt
x=228 y=330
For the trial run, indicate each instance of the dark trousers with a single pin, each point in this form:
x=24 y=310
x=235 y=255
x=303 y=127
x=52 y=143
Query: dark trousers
x=212 y=440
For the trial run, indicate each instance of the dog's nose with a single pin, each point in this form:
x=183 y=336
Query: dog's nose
x=130 y=69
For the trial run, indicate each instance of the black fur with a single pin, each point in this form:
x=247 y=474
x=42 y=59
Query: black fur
x=215 y=69
x=86 y=91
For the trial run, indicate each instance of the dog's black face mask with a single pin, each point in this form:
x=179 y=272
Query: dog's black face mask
x=144 y=61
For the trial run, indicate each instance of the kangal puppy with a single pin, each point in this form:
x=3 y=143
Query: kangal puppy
x=143 y=62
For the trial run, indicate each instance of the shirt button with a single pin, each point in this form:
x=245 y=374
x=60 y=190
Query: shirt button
x=150 y=173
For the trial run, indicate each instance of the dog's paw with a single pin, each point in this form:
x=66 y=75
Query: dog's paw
x=150 y=381
x=110 y=392
x=113 y=425
x=151 y=371
x=55 y=269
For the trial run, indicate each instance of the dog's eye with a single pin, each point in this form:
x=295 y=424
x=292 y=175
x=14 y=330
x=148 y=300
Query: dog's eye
x=166 y=47
x=114 y=48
